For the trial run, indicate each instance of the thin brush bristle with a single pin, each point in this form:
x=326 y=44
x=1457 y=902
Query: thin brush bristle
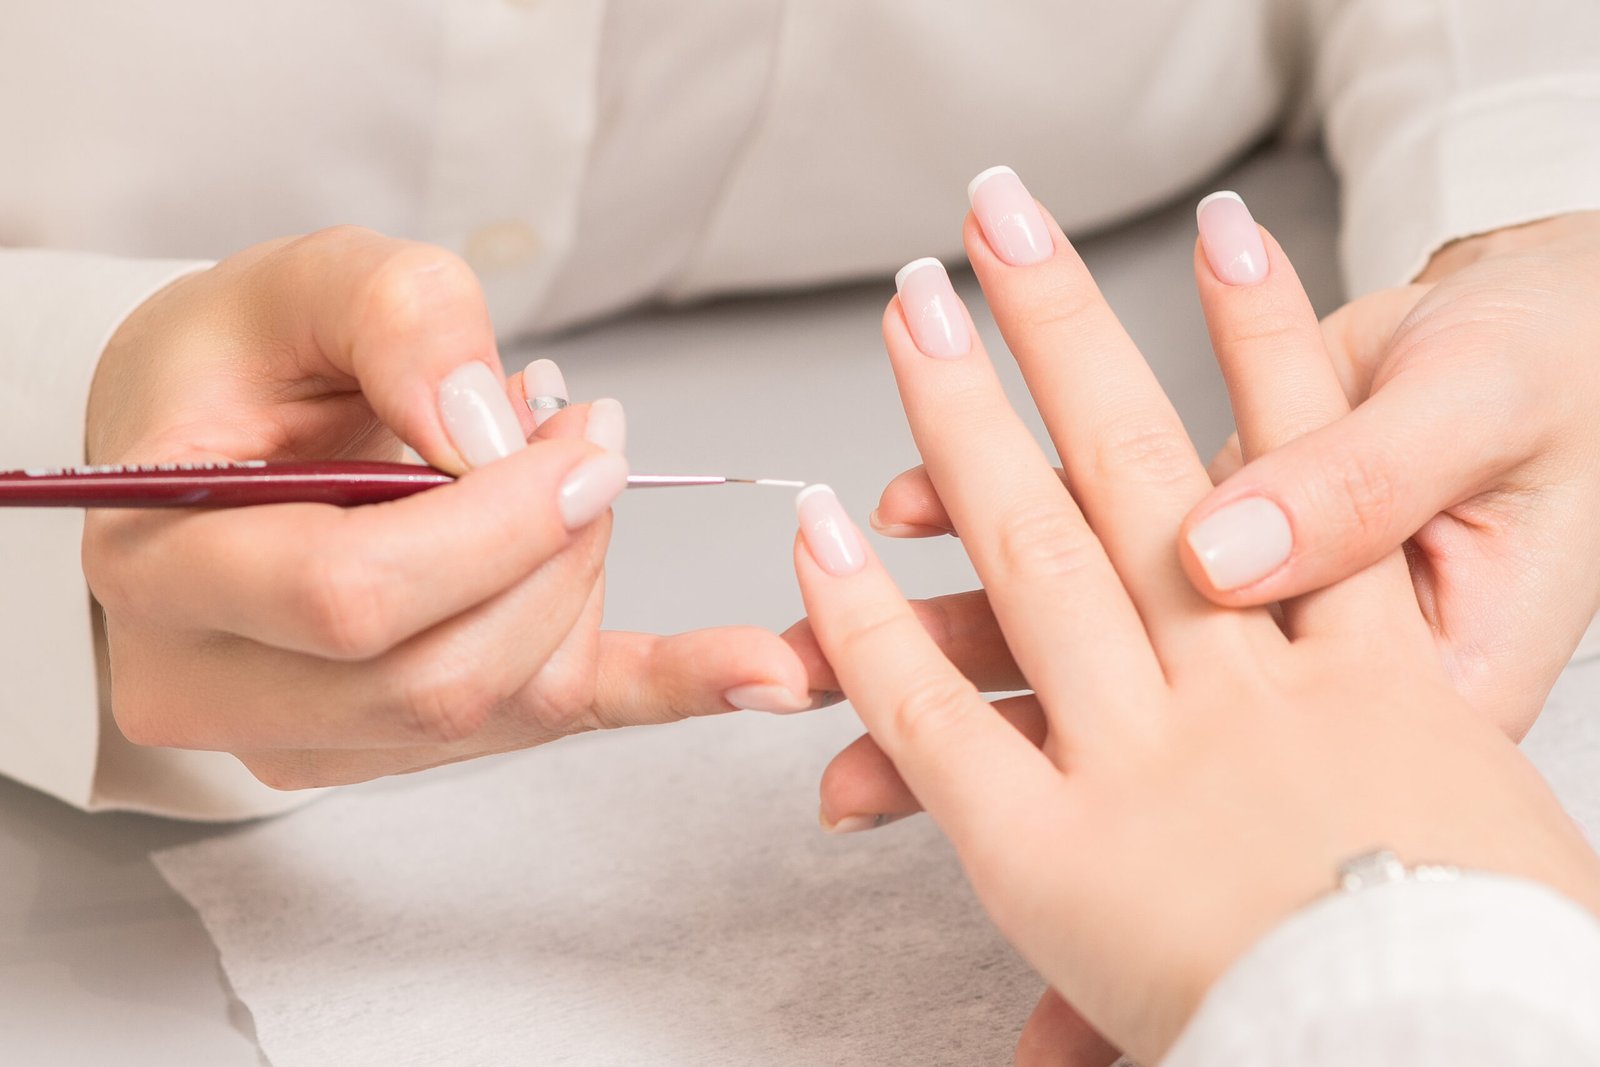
x=778 y=483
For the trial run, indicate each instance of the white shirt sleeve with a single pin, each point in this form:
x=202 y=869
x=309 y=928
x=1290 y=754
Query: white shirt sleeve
x=57 y=311
x=1481 y=972
x=1449 y=118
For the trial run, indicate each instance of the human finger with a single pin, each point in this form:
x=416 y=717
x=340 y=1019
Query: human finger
x=352 y=583
x=1126 y=453
x=1022 y=530
x=972 y=770
x=862 y=790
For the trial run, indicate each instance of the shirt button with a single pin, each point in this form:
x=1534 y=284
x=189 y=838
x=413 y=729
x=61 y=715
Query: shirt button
x=502 y=246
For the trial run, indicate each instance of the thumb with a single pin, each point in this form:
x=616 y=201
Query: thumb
x=404 y=321
x=1328 y=505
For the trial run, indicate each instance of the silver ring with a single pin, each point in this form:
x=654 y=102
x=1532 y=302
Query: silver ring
x=546 y=403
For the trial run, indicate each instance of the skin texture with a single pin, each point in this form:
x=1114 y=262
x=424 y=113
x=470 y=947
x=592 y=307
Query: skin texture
x=1166 y=733
x=322 y=645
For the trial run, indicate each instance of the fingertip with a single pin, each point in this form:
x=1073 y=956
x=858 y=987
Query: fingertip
x=477 y=415
x=902 y=530
x=832 y=539
x=1231 y=544
x=860 y=787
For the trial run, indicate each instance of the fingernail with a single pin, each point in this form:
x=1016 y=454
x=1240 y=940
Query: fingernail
x=901 y=529
x=855 y=824
x=772 y=698
x=1231 y=240
x=590 y=488
x=1010 y=217
x=608 y=426
x=1242 y=543
x=932 y=309
x=544 y=388
x=477 y=415
x=833 y=540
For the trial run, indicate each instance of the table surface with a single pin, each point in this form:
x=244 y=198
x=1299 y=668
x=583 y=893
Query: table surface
x=98 y=956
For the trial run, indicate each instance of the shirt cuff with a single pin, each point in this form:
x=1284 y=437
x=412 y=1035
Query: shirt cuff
x=1500 y=157
x=57 y=312
x=1479 y=971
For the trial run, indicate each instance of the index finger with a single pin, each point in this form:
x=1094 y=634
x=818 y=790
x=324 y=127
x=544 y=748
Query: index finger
x=971 y=769
x=350 y=584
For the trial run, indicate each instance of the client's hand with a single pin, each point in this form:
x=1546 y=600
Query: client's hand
x=323 y=645
x=1203 y=770
x=1474 y=444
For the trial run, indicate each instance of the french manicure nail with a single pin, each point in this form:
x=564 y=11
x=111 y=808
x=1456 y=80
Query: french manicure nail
x=1011 y=220
x=544 y=389
x=477 y=415
x=590 y=487
x=1242 y=542
x=772 y=698
x=830 y=536
x=932 y=309
x=1231 y=240
x=900 y=529
x=855 y=824
x=608 y=426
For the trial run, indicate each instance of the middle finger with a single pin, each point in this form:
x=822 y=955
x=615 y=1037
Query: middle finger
x=1063 y=610
x=1127 y=457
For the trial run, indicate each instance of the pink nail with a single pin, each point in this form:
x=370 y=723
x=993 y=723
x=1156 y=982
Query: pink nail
x=1231 y=239
x=833 y=540
x=1242 y=543
x=770 y=698
x=932 y=309
x=590 y=488
x=1011 y=220
x=855 y=824
x=608 y=426
x=477 y=415
x=545 y=389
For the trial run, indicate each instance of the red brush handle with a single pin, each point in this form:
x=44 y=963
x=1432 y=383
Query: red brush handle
x=215 y=485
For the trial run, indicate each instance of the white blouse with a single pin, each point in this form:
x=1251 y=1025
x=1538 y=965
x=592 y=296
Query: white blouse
x=588 y=155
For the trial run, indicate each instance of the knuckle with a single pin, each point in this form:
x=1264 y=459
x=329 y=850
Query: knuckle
x=565 y=702
x=1367 y=496
x=445 y=698
x=1067 y=305
x=1150 y=452
x=1270 y=332
x=410 y=284
x=334 y=238
x=284 y=775
x=139 y=727
x=1046 y=544
x=344 y=601
x=143 y=718
x=928 y=712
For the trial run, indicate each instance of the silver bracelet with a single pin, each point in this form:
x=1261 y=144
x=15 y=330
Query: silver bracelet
x=1383 y=867
x=1378 y=867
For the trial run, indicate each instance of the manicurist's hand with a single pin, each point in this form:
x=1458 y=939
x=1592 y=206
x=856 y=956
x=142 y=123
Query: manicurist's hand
x=325 y=645
x=1185 y=775
x=1473 y=442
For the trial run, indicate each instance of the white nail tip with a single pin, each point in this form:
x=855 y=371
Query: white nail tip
x=911 y=268
x=810 y=491
x=972 y=186
x=1220 y=194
